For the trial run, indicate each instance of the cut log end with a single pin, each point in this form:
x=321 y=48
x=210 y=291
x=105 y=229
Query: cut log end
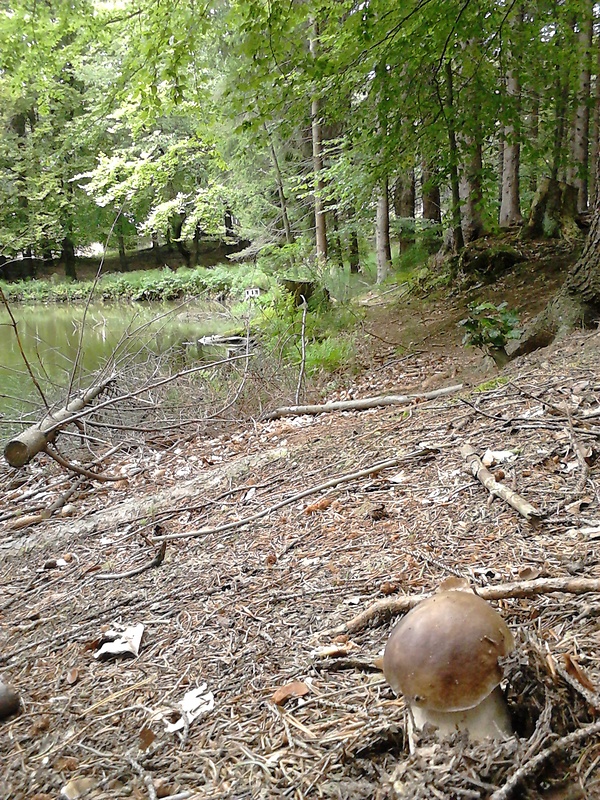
x=23 y=448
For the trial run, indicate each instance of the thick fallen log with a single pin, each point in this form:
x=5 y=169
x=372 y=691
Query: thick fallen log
x=27 y=444
x=361 y=405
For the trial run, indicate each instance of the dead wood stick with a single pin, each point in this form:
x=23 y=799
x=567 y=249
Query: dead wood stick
x=485 y=477
x=528 y=769
x=360 y=405
x=383 y=610
x=350 y=476
x=115 y=576
x=32 y=440
x=86 y=473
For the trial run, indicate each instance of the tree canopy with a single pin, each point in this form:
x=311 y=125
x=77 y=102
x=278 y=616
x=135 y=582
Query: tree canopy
x=139 y=119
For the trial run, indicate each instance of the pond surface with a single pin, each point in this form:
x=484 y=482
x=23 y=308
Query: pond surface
x=51 y=336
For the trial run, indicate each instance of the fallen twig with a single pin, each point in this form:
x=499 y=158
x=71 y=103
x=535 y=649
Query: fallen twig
x=350 y=476
x=156 y=562
x=86 y=473
x=484 y=476
x=383 y=610
x=360 y=405
x=531 y=767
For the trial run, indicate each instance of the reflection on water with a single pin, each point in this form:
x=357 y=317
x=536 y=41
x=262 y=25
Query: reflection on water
x=51 y=335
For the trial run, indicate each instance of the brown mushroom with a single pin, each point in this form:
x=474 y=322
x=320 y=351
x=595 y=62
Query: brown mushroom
x=10 y=701
x=443 y=657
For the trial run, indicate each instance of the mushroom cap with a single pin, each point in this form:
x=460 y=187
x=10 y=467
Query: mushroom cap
x=443 y=655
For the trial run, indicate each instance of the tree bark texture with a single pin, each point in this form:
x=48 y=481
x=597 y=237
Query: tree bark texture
x=317 y=155
x=581 y=123
x=470 y=190
x=382 y=231
x=595 y=136
x=553 y=211
x=404 y=197
x=510 y=209
x=457 y=234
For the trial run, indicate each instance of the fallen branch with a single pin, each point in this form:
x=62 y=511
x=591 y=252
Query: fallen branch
x=360 y=405
x=383 y=610
x=36 y=438
x=115 y=576
x=86 y=473
x=350 y=476
x=528 y=769
x=485 y=477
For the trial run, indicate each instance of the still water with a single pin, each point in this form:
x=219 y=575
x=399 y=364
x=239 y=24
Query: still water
x=121 y=333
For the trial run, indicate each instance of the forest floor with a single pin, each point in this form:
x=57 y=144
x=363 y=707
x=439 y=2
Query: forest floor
x=276 y=535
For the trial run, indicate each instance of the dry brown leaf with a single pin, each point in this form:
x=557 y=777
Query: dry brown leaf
x=293 y=689
x=320 y=505
x=65 y=764
x=25 y=522
x=147 y=736
x=575 y=671
x=388 y=588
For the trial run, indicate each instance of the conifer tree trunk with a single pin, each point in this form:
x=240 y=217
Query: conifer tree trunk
x=317 y=154
x=594 y=145
x=581 y=125
x=457 y=235
x=510 y=206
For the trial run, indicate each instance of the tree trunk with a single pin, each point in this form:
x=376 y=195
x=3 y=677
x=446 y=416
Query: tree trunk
x=581 y=126
x=280 y=189
x=177 y=225
x=578 y=300
x=68 y=258
x=336 y=242
x=122 y=255
x=430 y=190
x=471 y=191
x=534 y=133
x=457 y=235
x=595 y=130
x=404 y=208
x=354 y=253
x=382 y=232
x=510 y=208
x=560 y=109
x=553 y=211
x=317 y=153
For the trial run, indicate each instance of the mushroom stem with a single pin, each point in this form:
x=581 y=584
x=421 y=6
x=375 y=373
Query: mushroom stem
x=488 y=719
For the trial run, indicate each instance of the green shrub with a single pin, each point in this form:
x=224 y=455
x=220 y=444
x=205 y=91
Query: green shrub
x=490 y=326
